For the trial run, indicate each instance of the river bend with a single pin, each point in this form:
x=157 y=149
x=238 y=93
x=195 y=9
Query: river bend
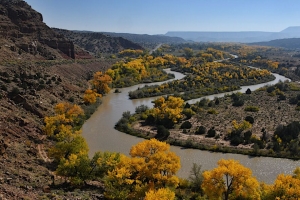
x=100 y=135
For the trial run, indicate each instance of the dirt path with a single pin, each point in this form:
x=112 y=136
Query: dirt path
x=42 y=153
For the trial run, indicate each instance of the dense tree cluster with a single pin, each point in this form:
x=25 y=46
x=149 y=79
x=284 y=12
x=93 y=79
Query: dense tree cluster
x=144 y=69
x=205 y=77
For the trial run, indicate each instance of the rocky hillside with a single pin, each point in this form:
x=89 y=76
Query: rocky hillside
x=98 y=43
x=24 y=35
x=30 y=86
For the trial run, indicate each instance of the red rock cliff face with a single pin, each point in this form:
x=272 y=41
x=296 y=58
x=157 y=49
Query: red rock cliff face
x=25 y=27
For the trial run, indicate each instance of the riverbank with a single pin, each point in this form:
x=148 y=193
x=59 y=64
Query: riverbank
x=270 y=115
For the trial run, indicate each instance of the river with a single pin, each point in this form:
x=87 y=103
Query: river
x=100 y=135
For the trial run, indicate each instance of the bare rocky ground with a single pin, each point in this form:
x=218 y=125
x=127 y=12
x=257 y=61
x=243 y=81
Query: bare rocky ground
x=271 y=114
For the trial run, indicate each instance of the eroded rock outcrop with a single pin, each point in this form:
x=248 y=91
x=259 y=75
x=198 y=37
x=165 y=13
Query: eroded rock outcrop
x=24 y=26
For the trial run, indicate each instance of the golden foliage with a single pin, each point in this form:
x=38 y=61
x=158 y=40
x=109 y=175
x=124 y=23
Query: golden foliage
x=151 y=166
x=170 y=108
x=286 y=187
x=229 y=181
x=66 y=115
x=90 y=96
x=241 y=126
x=101 y=82
x=160 y=194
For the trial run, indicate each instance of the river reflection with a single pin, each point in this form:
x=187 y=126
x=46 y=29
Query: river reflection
x=100 y=135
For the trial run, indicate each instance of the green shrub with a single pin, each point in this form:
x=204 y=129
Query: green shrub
x=201 y=130
x=14 y=92
x=212 y=111
x=162 y=133
x=252 y=108
x=211 y=132
x=188 y=112
x=186 y=125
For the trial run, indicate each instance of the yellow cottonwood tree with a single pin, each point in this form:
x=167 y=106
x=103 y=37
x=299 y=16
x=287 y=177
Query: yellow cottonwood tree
x=68 y=142
x=170 y=108
x=160 y=194
x=76 y=167
x=66 y=114
x=101 y=82
x=286 y=187
x=230 y=180
x=151 y=166
x=90 y=96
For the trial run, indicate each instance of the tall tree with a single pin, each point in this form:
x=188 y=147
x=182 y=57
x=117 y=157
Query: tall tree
x=230 y=180
x=151 y=166
x=101 y=82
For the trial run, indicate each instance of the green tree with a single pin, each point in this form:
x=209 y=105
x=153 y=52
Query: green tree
x=196 y=178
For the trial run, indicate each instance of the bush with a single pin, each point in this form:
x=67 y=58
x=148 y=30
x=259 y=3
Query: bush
x=3 y=87
x=281 y=97
x=211 y=132
x=248 y=91
x=14 y=92
x=202 y=102
x=238 y=103
x=71 y=99
x=212 y=111
x=186 y=125
x=162 y=133
x=140 y=109
x=293 y=101
x=217 y=101
x=188 y=112
x=236 y=140
x=252 y=108
x=247 y=136
x=201 y=130
x=249 y=119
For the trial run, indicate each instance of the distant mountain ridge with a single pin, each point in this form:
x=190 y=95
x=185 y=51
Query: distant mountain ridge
x=147 y=41
x=242 y=36
x=289 y=43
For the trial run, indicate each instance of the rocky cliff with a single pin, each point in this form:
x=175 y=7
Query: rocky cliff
x=22 y=30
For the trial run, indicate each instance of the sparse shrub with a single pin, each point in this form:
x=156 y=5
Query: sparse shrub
x=14 y=92
x=3 y=87
x=252 y=109
x=247 y=136
x=162 y=133
x=249 y=119
x=211 y=132
x=71 y=99
x=202 y=102
x=293 y=101
x=186 y=125
x=217 y=101
x=188 y=112
x=140 y=109
x=281 y=97
x=187 y=105
x=248 y=91
x=201 y=130
x=212 y=111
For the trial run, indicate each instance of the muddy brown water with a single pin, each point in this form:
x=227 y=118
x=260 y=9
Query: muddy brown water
x=100 y=135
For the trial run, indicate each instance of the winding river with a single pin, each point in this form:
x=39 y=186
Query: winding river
x=100 y=135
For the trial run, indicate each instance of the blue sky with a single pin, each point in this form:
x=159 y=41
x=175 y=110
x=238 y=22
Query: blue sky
x=160 y=16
